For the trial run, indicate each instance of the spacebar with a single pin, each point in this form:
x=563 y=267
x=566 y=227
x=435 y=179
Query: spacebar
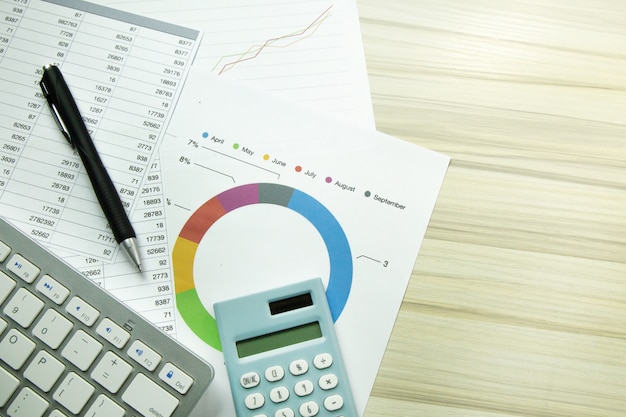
x=148 y=398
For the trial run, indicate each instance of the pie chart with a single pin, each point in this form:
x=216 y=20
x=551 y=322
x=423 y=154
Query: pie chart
x=189 y=305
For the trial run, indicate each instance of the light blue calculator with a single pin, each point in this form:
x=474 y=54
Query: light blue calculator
x=282 y=355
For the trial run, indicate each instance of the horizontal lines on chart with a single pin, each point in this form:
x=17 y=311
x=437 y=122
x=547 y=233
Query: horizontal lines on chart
x=227 y=62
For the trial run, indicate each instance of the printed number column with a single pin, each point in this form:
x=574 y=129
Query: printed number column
x=43 y=178
x=94 y=71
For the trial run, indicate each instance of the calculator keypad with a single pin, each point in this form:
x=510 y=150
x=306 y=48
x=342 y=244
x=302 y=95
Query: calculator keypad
x=303 y=380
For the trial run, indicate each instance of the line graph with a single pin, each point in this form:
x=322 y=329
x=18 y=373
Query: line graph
x=282 y=41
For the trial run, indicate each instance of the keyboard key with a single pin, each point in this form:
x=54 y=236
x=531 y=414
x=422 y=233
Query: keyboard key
x=143 y=355
x=175 y=378
x=56 y=413
x=84 y=312
x=27 y=404
x=111 y=372
x=8 y=385
x=82 y=350
x=15 y=349
x=44 y=371
x=113 y=333
x=105 y=407
x=3 y=325
x=23 y=268
x=6 y=286
x=52 y=329
x=4 y=251
x=148 y=398
x=23 y=307
x=73 y=393
x=49 y=287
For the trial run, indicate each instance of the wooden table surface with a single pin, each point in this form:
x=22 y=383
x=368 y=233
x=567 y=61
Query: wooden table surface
x=517 y=303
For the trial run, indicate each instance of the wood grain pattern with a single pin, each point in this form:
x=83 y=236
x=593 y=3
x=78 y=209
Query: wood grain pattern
x=517 y=303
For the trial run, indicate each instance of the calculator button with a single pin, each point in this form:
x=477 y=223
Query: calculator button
x=23 y=307
x=175 y=378
x=84 y=312
x=309 y=409
x=49 y=287
x=285 y=412
x=298 y=367
x=250 y=380
x=254 y=401
x=279 y=394
x=113 y=333
x=328 y=381
x=323 y=361
x=333 y=403
x=274 y=373
x=143 y=355
x=303 y=388
x=22 y=267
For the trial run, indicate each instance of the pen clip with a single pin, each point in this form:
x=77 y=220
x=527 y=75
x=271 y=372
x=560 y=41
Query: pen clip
x=55 y=113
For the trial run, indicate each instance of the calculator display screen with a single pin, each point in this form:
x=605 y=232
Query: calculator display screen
x=279 y=339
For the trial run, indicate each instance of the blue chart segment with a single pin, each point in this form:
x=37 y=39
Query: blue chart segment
x=189 y=305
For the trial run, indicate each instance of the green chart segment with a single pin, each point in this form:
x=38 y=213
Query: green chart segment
x=191 y=309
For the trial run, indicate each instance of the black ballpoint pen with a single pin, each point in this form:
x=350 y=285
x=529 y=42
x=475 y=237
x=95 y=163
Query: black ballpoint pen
x=67 y=115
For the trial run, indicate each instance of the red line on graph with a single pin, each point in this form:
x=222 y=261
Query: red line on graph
x=256 y=49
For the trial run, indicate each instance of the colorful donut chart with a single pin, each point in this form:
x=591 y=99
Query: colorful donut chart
x=188 y=302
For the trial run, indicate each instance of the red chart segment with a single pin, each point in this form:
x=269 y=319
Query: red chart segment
x=185 y=247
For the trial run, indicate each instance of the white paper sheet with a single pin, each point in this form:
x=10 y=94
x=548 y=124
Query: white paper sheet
x=308 y=51
x=125 y=72
x=359 y=205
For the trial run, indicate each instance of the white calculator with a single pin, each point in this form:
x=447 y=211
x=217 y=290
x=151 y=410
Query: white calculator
x=282 y=355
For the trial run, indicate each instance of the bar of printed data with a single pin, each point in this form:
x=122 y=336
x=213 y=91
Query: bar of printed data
x=126 y=73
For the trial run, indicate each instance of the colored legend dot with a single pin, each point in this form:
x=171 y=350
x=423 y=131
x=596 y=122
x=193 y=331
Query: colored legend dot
x=329 y=180
x=236 y=146
x=266 y=157
x=298 y=168
x=205 y=135
x=367 y=194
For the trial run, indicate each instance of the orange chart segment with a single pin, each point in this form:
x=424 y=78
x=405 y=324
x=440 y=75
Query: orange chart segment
x=188 y=302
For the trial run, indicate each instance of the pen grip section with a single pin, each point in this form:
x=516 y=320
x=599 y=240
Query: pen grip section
x=105 y=190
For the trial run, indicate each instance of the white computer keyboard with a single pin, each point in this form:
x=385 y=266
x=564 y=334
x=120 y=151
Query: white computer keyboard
x=68 y=348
